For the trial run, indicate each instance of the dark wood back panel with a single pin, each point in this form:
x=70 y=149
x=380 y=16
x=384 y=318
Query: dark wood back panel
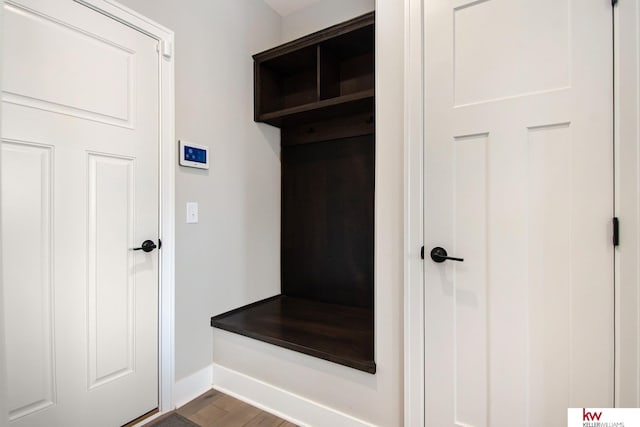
x=328 y=221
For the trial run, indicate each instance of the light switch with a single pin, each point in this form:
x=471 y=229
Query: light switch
x=192 y=213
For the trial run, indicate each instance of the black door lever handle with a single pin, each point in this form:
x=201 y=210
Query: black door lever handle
x=147 y=246
x=439 y=255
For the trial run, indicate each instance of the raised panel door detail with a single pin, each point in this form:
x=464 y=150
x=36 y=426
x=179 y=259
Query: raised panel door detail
x=111 y=284
x=27 y=241
x=524 y=50
x=550 y=210
x=470 y=279
x=86 y=77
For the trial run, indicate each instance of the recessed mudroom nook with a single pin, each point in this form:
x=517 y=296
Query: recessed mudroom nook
x=319 y=90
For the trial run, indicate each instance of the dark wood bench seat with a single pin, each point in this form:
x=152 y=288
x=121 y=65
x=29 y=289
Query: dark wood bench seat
x=337 y=333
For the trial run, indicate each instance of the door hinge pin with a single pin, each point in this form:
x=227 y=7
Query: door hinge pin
x=616 y=231
x=422 y=253
x=614 y=3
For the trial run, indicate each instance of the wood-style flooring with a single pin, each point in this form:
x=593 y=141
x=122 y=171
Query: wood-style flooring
x=216 y=409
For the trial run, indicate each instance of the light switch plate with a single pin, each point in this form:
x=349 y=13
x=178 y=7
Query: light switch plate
x=192 y=213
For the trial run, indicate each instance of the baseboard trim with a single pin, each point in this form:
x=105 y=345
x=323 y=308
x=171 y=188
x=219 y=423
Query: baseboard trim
x=284 y=404
x=194 y=385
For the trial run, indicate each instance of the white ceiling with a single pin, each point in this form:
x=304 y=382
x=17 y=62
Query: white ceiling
x=285 y=7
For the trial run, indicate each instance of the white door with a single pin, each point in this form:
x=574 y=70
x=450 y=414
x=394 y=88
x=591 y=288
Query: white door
x=80 y=189
x=519 y=183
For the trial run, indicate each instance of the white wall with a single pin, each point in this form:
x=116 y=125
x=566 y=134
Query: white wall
x=321 y=15
x=376 y=399
x=231 y=257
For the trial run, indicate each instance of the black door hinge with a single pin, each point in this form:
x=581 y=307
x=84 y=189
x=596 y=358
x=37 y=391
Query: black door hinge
x=422 y=252
x=614 y=3
x=616 y=231
x=159 y=244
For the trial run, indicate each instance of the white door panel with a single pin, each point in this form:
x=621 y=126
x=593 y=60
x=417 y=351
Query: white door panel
x=526 y=53
x=74 y=86
x=110 y=284
x=518 y=162
x=80 y=191
x=31 y=217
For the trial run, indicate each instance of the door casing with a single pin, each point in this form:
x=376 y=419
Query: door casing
x=627 y=198
x=4 y=411
x=413 y=216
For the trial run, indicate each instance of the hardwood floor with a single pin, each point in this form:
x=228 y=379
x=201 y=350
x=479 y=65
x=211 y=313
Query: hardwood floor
x=216 y=409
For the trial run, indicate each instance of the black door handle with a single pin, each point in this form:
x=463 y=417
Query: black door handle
x=439 y=255
x=147 y=246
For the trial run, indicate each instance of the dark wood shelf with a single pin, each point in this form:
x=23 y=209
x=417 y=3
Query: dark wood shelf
x=337 y=333
x=336 y=31
x=325 y=109
x=325 y=75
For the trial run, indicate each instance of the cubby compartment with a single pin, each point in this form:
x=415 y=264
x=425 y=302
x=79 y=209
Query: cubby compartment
x=324 y=75
x=346 y=64
x=288 y=81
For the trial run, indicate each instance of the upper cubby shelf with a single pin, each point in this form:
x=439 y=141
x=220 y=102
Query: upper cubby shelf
x=320 y=76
